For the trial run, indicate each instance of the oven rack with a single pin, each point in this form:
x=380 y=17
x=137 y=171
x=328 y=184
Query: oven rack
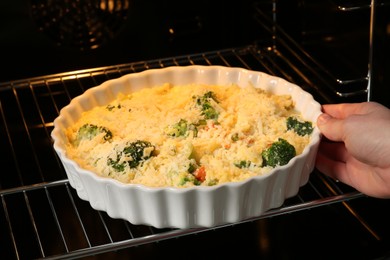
x=352 y=6
x=41 y=215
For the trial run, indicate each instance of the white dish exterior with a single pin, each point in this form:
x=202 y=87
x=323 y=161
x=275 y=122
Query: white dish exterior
x=196 y=206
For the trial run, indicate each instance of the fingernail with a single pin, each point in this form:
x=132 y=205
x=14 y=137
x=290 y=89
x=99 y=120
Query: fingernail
x=323 y=119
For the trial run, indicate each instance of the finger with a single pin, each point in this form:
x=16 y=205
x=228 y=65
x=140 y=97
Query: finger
x=340 y=171
x=346 y=109
x=331 y=127
x=330 y=167
x=354 y=174
x=335 y=151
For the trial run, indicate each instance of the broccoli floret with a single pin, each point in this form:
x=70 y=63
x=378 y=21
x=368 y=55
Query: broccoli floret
x=139 y=151
x=299 y=127
x=178 y=129
x=243 y=164
x=189 y=178
x=181 y=128
x=192 y=167
x=116 y=164
x=195 y=181
x=208 y=111
x=279 y=153
x=133 y=154
x=235 y=137
x=89 y=131
x=210 y=94
x=212 y=182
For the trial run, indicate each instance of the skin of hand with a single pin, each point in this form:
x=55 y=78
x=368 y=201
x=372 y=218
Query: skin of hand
x=356 y=146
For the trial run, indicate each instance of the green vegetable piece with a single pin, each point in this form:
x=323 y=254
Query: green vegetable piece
x=212 y=182
x=139 y=151
x=243 y=164
x=119 y=167
x=178 y=129
x=189 y=178
x=210 y=94
x=201 y=122
x=208 y=111
x=301 y=128
x=191 y=168
x=279 y=153
x=184 y=180
x=181 y=128
x=235 y=137
x=89 y=131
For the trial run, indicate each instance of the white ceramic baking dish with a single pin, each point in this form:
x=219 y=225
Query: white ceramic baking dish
x=196 y=206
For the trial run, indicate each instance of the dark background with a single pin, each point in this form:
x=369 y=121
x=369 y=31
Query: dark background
x=41 y=37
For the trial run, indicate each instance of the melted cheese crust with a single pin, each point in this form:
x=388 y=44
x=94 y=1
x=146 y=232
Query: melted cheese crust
x=249 y=121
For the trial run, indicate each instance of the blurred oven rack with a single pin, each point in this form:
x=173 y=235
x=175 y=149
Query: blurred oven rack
x=41 y=216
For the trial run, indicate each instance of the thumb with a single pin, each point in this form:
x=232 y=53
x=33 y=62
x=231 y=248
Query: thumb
x=332 y=128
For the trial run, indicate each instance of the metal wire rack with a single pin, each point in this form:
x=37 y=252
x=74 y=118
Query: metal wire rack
x=41 y=216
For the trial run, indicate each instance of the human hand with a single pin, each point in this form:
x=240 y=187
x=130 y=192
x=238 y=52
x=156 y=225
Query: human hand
x=356 y=147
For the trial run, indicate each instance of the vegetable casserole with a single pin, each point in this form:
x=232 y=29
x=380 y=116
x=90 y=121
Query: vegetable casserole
x=189 y=135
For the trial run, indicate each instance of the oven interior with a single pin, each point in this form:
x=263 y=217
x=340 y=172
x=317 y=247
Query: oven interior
x=59 y=49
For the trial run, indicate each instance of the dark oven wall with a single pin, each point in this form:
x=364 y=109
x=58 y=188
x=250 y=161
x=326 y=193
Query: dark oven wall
x=40 y=37
x=338 y=34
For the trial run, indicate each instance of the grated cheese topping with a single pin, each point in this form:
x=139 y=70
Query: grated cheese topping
x=182 y=136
